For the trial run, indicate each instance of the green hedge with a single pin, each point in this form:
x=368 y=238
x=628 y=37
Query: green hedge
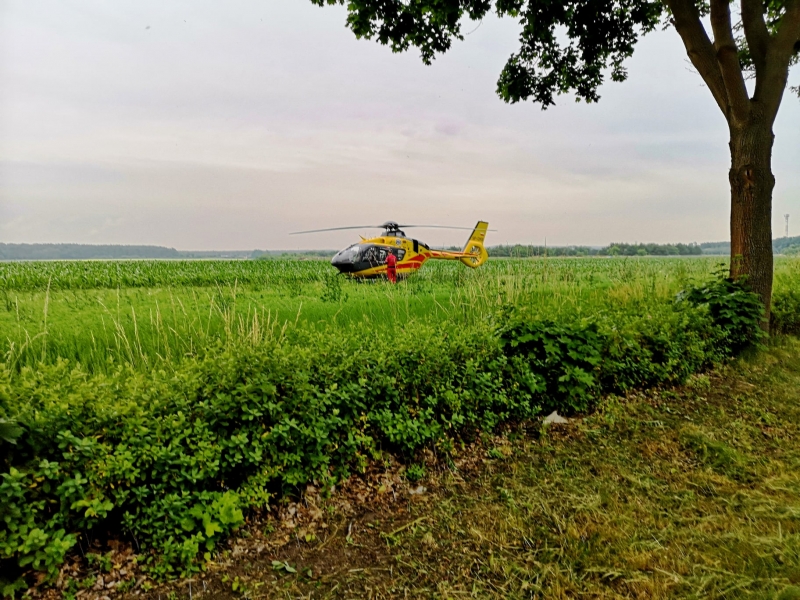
x=173 y=460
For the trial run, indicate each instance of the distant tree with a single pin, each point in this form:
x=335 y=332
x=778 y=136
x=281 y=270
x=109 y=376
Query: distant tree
x=652 y=250
x=781 y=244
x=571 y=45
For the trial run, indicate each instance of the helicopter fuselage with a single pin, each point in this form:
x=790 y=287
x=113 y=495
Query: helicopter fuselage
x=367 y=259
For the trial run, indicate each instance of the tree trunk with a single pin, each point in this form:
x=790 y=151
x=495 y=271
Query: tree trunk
x=752 y=182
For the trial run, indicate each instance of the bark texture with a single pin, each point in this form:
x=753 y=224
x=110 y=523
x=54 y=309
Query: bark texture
x=752 y=181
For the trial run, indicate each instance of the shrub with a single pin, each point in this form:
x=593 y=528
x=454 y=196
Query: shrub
x=567 y=365
x=172 y=459
x=734 y=309
x=560 y=362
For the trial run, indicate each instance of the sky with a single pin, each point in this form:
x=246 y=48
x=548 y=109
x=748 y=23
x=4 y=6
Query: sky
x=226 y=125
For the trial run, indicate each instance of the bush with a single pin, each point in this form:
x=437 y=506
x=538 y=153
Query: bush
x=734 y=309
x=172 y=459
x=560 y=362
x=566 y=366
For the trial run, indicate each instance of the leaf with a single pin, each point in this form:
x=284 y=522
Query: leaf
x=281 y=565
x=212 y=527
x=9 y=431
x=230 y=515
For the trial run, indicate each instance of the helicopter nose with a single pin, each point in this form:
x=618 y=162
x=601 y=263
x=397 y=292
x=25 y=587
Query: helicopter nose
x=347 y=260
x=341 y=262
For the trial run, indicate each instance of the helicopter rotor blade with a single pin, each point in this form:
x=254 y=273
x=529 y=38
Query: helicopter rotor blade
x=394 y=225
x=336 y=229
x=443 y=227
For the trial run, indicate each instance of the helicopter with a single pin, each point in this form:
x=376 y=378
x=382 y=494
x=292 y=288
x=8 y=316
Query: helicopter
x=367 y=259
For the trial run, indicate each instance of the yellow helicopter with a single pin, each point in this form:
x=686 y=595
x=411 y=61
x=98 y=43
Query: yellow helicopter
x=369 y=257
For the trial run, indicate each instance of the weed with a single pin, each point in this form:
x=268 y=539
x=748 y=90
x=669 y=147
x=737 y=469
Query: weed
x=332 y=289
x=415 y=472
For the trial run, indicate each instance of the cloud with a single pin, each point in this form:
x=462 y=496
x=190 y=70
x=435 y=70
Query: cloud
x=228 y=125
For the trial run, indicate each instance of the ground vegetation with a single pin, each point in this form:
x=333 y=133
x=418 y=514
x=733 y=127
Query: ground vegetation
x=684 y=492
x=166 y=416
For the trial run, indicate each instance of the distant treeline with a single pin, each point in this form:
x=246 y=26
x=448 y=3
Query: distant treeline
x=116 y=252
x=298 y=254
x=107 y=252
x=785 y=245
x=519 y=250
x=82 y=251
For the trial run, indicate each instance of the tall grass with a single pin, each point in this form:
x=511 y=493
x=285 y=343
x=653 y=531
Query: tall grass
x=156 y=313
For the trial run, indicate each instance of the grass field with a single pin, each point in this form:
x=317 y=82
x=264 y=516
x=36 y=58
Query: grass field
x=148 y=313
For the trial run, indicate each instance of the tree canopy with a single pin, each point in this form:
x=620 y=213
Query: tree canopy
x=573 y=45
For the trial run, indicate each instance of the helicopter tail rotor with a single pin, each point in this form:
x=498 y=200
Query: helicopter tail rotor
x=474 y=250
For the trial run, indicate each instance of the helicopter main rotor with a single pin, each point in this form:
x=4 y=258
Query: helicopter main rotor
x=389 y=227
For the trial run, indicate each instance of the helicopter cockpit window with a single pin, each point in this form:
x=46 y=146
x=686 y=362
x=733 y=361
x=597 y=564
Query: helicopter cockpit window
x=376 y=255
x=350 y=254
x=371 y=255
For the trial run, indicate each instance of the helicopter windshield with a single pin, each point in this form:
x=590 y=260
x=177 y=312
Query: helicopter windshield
x=349 y=254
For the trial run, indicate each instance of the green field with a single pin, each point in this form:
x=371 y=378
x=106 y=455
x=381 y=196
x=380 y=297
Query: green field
x=163 y=402
x=149 y=313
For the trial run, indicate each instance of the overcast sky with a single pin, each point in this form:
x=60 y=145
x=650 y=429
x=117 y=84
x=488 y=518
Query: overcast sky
x=226 y=125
